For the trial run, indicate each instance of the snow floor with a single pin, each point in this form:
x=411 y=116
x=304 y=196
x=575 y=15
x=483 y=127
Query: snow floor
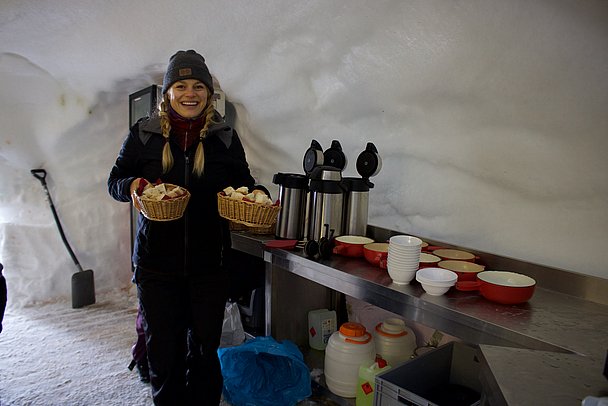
x=52 y=354
x=55 y=355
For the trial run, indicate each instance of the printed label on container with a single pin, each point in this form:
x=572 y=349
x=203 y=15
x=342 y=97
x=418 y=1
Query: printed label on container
x=327 y=329
x=367 y=388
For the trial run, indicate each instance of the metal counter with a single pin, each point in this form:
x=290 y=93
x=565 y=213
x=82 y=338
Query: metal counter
x=556 y=343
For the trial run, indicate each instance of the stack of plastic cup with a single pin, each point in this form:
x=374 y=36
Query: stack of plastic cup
x=403 y=258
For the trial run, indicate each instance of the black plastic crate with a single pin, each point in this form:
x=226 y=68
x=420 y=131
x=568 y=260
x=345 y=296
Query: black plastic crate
x=448 y=375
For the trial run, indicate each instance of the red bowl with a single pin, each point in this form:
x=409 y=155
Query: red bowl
x=428 y=260
x=501 y=286
x=376 y=253
x=506 y=287
x=451 y=254
x=350 y=245
x=466 y=271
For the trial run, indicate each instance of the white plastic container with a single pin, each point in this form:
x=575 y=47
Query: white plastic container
x=347 y=349
x=367 y=382
x=321 y=325
x=394 y=341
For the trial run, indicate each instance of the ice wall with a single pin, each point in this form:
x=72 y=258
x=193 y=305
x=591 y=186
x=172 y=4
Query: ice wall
x=489 y=117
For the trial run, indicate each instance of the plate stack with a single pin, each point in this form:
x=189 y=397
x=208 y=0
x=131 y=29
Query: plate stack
x=403 y=258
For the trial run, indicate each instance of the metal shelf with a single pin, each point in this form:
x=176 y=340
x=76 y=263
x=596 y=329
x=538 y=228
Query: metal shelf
x=564 y=330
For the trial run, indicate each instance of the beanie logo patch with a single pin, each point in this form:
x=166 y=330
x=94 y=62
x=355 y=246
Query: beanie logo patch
x=185 y=72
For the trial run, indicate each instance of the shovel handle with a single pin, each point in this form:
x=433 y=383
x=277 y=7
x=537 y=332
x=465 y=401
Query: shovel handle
x=39 y=174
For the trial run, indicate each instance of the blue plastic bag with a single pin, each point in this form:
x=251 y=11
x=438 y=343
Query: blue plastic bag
x=264 y=372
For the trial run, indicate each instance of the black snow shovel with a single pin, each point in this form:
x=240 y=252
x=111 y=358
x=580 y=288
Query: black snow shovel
x=83 y=283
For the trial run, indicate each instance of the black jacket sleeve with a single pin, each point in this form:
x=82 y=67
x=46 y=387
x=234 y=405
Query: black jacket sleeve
x=124 y=172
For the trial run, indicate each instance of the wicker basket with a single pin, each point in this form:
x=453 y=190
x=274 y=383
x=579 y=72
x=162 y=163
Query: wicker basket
x=164 y=210
x=247 y=213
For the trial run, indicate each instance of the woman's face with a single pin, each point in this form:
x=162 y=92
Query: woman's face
x=188 y=97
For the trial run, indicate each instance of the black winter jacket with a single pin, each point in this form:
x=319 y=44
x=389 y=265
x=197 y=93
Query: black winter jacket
x=193 y=243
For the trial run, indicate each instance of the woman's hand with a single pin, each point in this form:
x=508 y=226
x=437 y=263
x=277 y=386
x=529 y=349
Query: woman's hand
x=133 y=189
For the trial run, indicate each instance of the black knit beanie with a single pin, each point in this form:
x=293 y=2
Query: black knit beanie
x=187 y=65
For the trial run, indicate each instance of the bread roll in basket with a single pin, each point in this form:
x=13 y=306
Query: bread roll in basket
x=246 y=208
x=163 y=202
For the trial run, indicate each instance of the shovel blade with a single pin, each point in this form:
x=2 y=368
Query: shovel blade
x=83 y=289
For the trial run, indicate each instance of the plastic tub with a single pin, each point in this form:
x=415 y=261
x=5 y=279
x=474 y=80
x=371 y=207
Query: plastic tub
x=395 y=342
x=347 y=349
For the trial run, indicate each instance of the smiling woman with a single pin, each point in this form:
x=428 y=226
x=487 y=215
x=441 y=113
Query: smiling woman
x=181 y=283
x=188 y=97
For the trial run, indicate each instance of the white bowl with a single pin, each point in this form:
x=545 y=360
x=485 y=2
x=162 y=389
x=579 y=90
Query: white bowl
x=402 y=269
x=413 y=265
x=404 y=258
x=399 y=276
x=436 y=281
x=404 y=249
x=411 y=261
x=434 y=290
x=403 y=255
x=436 y=276
x=405 y=241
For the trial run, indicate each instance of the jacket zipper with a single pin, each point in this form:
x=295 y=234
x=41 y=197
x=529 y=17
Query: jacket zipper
x=186 y=184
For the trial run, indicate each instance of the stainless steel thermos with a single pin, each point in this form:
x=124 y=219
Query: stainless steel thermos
x=325 y=201
x=356 y=206
x=322 y=203
x=293 y=189
x=356 y=199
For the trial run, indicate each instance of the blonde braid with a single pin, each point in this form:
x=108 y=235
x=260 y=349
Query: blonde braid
x=199 y=156
x=165 y=126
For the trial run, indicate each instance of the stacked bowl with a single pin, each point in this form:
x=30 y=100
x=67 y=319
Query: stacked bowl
x=436 y=281
x=403 y=258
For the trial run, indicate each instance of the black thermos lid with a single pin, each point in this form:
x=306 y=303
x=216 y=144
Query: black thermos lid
x=334 y=156
x=357 y=184
x=313 y=157
x=290 y=180
x=369 y=162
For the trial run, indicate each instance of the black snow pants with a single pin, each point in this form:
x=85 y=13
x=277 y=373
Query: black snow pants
x=183 y=318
